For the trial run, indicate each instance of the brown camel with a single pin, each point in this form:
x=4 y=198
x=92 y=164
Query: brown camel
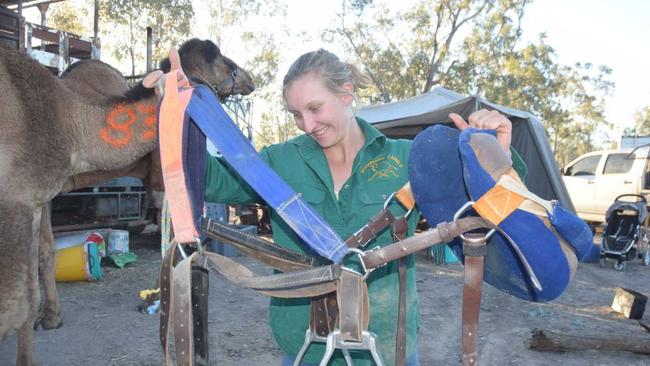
x=57 y=134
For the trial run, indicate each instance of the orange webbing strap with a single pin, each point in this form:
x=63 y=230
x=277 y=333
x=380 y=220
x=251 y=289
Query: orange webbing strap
x=508 y=194
x=405 y=196
x=170 y=124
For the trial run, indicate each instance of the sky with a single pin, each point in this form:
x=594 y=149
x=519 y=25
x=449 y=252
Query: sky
x=615 y=33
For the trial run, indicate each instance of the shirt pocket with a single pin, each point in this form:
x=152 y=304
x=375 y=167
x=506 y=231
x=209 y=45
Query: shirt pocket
x=313 y=195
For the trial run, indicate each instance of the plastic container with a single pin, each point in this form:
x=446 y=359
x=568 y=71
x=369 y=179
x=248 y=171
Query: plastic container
x=450 y=256
x=78 y=263
x=118 y=242
x=226 y=249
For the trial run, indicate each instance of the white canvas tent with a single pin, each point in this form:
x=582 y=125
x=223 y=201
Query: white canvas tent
x=405 y=118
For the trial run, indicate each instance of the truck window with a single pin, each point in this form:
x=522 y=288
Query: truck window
x=618 y=163
x=585 y=166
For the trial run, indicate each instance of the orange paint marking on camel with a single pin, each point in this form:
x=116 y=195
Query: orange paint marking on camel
x=123 y=120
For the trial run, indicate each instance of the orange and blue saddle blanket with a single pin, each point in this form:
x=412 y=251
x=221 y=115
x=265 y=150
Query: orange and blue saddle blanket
x=449 y=168
x=532 y=256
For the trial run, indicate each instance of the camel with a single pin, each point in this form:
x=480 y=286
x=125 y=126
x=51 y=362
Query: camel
x=65 y=133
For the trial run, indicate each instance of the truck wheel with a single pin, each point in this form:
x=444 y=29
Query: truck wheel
x=619 y=266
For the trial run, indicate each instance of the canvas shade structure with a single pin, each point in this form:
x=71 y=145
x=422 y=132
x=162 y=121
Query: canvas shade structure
x=407 y=117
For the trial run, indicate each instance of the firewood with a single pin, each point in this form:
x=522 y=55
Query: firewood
x=544 y=340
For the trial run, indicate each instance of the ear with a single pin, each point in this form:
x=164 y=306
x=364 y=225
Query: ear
x=348 y=97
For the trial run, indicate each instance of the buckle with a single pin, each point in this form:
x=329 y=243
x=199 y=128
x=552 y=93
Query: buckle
x=462 y=211
x=360 y=253
x=390 y=198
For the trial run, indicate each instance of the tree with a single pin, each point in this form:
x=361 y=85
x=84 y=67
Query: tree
x=127 y=20
x=474 y=47
x=641 y=122
x=238 y=25
x=68 y=18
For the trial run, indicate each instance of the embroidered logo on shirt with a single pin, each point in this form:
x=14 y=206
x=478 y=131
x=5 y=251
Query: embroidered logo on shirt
x=382 y=167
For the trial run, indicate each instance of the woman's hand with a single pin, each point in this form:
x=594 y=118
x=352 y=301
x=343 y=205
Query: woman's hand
x=487 y=120
x=156 y=79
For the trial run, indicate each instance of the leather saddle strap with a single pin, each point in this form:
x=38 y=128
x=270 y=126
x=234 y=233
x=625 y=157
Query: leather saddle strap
x=266 y=252
x=310 y=282
x=474 y=251
x=399 y=228
x=200 y=287
x=165 y=278
x=443 y=233
x=182 y=308
x=370 y=230
x=352 y=295
x=323 y=314
x=324 y=309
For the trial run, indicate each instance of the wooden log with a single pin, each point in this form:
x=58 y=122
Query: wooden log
x=544 y=340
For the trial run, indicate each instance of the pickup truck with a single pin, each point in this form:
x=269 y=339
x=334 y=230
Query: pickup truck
x=595 y=179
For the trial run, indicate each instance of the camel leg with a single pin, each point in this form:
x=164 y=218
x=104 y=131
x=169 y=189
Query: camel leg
x=19 y=227
x=50 y=314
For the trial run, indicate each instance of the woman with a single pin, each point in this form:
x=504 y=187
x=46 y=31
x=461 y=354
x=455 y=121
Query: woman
x=345 y=169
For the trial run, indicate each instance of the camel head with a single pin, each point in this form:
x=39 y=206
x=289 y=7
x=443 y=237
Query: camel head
x=203 y=63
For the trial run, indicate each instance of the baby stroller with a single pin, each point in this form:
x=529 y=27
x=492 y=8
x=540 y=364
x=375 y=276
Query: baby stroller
x=623 y=238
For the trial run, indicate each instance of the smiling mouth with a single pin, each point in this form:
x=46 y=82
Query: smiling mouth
x=319 y=132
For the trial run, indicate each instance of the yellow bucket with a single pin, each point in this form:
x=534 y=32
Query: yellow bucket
x=77 y=263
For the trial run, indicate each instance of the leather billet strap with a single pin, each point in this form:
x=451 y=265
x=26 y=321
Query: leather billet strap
x=165 y=278
x=352 y=296
x=370 y=230
x=474 y=252
x=399 y=228
x=182 y=308
x=324 y=310
x=443 y=233
x=266 y=252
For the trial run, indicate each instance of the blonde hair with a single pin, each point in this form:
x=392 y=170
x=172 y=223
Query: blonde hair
x=334 y=72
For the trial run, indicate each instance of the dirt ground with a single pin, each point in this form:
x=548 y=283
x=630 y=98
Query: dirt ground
x=103 y=327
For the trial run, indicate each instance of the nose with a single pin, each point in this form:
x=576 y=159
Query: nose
x=308 y=123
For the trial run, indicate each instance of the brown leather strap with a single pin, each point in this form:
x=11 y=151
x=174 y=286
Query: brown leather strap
x=399 y=228
x=353 y=312
x=165 y=278
x=182 y=316
x=443 y=233
x=200 y=286
x=370 y=230
x=474 y=265
x=324 y=309
x=323 y=314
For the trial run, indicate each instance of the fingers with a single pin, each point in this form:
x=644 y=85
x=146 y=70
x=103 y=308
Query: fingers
x=458 y=121
x=487 y=120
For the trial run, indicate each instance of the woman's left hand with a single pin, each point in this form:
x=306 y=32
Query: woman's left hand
x=487 y=120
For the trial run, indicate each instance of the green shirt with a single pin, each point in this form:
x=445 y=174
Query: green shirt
x=379 y=169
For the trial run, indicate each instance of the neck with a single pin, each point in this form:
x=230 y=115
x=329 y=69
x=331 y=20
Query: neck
x=114 y=135
x=340 y=157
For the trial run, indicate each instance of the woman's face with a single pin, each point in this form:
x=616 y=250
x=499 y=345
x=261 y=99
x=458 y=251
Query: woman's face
x=324 y=115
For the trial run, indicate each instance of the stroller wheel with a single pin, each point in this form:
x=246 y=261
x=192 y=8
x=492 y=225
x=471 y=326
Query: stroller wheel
x=603 y=262
x=646 y=258
x=619 y=266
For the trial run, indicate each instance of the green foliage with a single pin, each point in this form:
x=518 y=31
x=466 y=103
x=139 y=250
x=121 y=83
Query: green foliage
x=68 y=18
x=641 y=122
x=125 y=23
x=244 y=25
x=475 y=47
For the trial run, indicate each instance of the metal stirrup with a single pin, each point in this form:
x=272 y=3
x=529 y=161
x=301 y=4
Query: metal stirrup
x=311 y=337
x=335 y=341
